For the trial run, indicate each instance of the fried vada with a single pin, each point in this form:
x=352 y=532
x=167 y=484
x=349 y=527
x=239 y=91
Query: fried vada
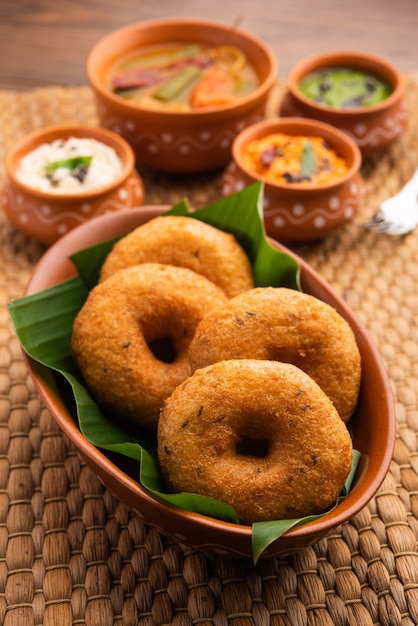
x=259 y=435
x=131 y=337
x=185 y=242
x=285 y=325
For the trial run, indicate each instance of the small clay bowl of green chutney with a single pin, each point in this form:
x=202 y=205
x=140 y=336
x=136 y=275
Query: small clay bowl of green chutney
x=358 y=93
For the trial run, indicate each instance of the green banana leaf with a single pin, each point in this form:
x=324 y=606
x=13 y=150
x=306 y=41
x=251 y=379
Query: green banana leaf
x=43 y=325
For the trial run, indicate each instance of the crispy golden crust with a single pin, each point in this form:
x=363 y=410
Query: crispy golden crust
x=184 y=242
x=125 y=321
x=285 y=325
x=259 y=435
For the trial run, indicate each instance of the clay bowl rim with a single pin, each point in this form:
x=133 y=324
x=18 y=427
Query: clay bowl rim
x=47 y=134
x=99 y=56
x=360 y=60
x=336 y=138
x=55 y=266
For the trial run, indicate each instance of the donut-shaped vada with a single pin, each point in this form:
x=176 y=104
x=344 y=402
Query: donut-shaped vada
x=259 y=435
x=184 y=242
x=286 y=325
x=131 y=337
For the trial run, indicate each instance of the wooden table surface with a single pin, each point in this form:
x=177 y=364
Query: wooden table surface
x=46 y=42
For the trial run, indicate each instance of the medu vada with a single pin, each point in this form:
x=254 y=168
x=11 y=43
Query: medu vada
x=185 y=242
x=286 y=325
x=131 y=337
x=259 y=435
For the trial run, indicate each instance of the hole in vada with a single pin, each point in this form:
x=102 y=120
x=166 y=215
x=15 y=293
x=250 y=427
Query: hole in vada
x=163 y=349
x=251 y=446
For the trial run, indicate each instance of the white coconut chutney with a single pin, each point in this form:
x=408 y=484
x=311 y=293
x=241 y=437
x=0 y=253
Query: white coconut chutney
x=69 y=165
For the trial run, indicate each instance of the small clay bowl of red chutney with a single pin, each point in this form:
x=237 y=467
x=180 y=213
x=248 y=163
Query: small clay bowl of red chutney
x=310 y=171
x=359 y=93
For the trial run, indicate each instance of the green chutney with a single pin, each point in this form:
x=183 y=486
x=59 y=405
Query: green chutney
x=344 y=88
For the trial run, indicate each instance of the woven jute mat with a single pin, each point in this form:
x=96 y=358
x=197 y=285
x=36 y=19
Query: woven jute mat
x=71 y=553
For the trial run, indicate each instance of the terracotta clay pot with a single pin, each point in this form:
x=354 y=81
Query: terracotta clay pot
x=372 y=127
x=47 y=216
x=372 y=425
x=293 y=213
x=178 y=141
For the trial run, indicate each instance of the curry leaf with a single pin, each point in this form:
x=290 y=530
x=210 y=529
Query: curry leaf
x=71 y=164
x=308 y=160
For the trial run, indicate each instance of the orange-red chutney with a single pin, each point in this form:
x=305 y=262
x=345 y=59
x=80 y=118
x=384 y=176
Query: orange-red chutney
x=282 y=159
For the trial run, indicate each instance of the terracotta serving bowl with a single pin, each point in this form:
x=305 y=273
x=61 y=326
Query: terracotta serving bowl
x=295 y=213
x=179 y=141
x=371 y=127
x=373 y=424
x=47 y=216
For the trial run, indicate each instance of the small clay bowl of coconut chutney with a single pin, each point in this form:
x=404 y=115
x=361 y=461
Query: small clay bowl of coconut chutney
x=62 y=176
